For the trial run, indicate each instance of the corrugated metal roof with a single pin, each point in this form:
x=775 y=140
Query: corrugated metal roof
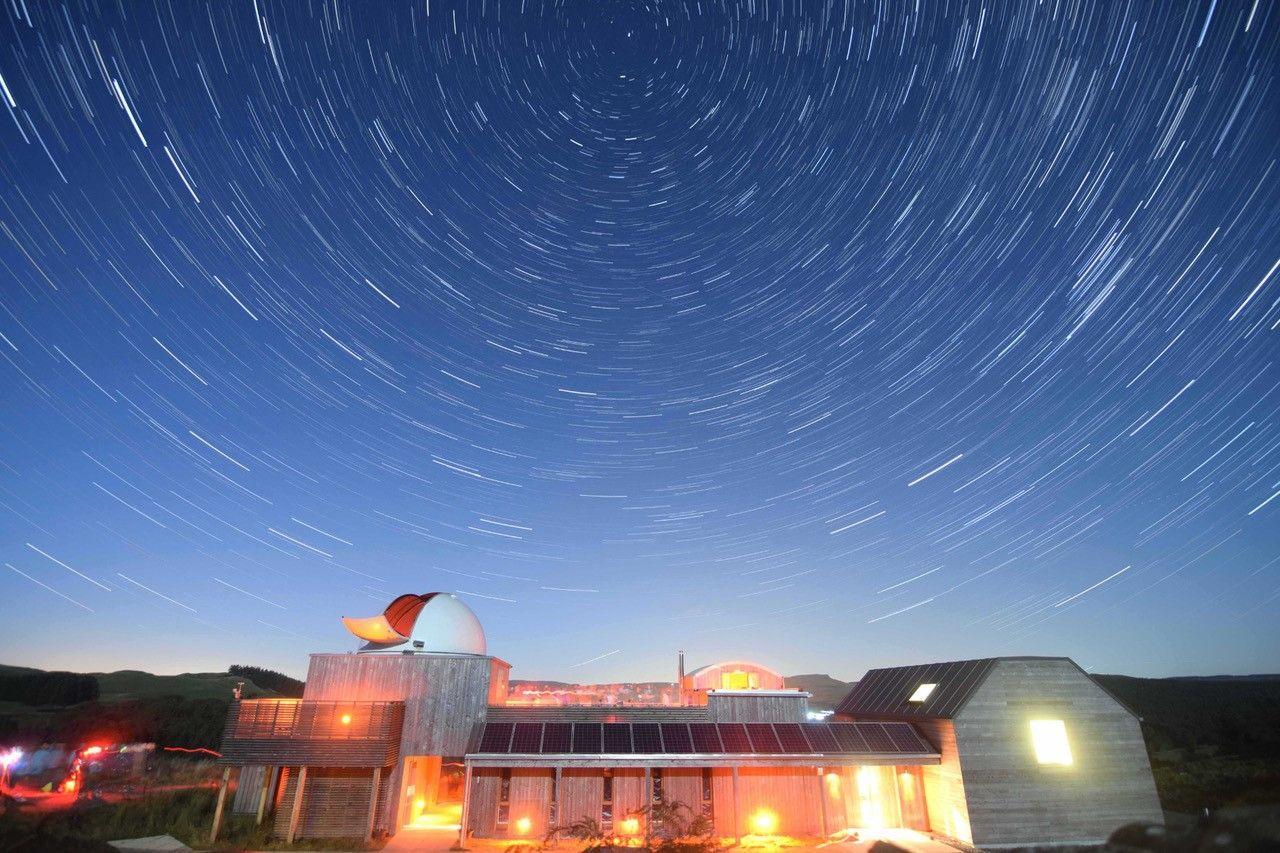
x=886 y=692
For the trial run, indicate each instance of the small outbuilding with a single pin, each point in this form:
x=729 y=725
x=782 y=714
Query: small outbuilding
x=1033 y=750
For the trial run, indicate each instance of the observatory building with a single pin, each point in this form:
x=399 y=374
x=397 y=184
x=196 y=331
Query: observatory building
x=413 y=733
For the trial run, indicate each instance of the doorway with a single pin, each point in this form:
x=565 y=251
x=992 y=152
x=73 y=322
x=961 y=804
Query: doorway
x=432 y=792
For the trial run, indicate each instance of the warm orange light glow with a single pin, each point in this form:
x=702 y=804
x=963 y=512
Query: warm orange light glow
x=522 y=825
x=346 y=719
x=69 y=785
x=419 y=804
x=870 y=802
x=833 y=785
x=763 y=822
x=92 y=750
x=629 y=826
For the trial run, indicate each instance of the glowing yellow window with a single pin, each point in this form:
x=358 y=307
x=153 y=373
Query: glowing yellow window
x=739 y=680
x=1050 y=740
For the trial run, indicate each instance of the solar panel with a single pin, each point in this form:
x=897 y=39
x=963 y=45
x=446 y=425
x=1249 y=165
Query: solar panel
x=791 y=736
x=705 y=736
x=586 y=738
x=848 y=738
x=675 y=738
x=820 y=737
x=762 y=738
x=617 y=737
x=557 y=737
x=877 y=740
x=528 y=738
x=646 y=738
x=905 y=738
x=734 y=737
x=496 y=737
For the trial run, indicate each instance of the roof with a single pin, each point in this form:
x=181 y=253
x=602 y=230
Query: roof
x=885 y=693
x=430 y=622
x=676 y=743
x=726 y=664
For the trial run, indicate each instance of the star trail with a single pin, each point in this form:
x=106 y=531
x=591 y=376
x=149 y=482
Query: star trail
x=832 y=334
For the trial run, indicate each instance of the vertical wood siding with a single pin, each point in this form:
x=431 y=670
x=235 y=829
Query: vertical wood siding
x=1012 y=799
x=445 y=697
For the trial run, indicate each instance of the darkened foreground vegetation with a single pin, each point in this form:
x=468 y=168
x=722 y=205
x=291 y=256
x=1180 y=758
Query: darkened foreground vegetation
x=186 y=815
x=1213 y=742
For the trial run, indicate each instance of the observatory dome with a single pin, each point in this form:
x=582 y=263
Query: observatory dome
x=435 y=622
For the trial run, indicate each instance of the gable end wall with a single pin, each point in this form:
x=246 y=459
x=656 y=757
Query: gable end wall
x=1014 y=800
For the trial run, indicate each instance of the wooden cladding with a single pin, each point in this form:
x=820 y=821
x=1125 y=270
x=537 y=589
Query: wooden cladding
x=314 y=734
x=335 y=803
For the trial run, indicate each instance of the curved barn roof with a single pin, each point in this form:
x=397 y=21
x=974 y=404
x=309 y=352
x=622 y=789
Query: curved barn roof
x=728 y=664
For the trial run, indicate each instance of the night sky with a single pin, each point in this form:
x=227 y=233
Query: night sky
x=832 y=335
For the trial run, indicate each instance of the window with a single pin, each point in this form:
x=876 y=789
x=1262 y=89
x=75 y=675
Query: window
x=1050 y=740
x=923 y=692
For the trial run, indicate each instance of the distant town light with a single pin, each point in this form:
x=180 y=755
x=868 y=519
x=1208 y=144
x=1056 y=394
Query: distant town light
x=923 y=692
x=1050 y=740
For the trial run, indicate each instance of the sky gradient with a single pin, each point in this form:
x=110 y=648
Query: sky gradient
x=832 y=335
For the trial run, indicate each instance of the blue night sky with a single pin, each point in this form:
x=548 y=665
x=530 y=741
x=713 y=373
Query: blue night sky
x=829 y=334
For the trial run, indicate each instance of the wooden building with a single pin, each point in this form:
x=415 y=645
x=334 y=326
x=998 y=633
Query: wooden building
x=413 y=732
x=1033 y=750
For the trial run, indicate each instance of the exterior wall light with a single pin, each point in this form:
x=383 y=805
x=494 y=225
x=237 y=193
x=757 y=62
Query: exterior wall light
x=522 y=825
x=763 y=822
x=630 y=826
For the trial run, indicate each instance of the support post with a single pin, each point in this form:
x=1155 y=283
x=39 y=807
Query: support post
x=737 y=825
x=373 y=803
x=466 y=806
x=553 y=808
x=267 y=773
x=822 y=801
x=648 y=805
x=217 y=810
x=297 y=806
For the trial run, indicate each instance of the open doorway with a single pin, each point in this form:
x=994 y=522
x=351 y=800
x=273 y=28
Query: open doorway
x=432 y=792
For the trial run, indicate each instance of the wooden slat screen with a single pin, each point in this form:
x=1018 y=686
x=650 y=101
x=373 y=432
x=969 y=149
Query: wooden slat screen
x=316 y=734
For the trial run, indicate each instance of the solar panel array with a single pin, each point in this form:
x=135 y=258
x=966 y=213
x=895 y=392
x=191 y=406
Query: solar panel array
x=864 y=738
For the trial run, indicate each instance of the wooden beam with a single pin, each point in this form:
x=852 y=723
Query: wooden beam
x=373 y=803
x=737 y=827
x=267 y=773
x=822 y=802
x=466 y=806
x=648 y=805
x=553 y=808
x=297 y=806
x=217 y=810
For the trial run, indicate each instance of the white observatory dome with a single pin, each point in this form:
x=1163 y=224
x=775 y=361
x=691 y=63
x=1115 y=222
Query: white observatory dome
x=436 y=622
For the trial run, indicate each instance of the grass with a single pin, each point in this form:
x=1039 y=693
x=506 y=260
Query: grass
x=187 y=816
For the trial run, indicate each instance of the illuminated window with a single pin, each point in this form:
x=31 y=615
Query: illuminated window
x=923 y=692
x=1050 y=740
x=739 y=680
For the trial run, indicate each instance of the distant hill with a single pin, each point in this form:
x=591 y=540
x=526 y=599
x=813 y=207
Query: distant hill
x=827 y=691
x=136 y=684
